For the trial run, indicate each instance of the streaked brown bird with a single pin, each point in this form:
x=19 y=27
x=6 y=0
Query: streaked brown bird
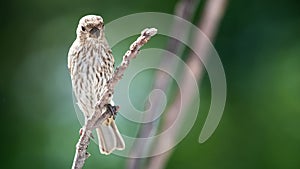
x=91 y=65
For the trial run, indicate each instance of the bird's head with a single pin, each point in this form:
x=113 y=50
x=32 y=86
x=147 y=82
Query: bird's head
x=90 y=26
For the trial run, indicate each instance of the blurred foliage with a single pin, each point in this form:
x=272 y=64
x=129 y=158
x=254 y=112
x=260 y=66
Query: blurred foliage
x=259 y=45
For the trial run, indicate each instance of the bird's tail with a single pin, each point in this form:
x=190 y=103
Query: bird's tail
x=109 y=138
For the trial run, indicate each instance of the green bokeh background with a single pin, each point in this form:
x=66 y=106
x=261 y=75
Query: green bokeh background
x=258 y=43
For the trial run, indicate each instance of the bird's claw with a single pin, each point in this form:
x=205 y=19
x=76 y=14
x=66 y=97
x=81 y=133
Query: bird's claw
x=112 y=110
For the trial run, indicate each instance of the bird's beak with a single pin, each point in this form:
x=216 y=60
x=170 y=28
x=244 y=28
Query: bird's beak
x=95 y=31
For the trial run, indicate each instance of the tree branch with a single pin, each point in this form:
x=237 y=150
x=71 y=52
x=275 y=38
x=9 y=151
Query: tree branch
x=81 y=153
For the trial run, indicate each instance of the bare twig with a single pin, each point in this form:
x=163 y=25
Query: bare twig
x=212 y=15
x=81 y=148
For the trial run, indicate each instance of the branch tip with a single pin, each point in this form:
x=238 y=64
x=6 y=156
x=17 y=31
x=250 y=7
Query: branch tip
x=149 y=32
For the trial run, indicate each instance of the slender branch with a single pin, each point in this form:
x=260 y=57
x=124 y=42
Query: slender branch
x=81 y=153
x=81 y=147
x=212 y=15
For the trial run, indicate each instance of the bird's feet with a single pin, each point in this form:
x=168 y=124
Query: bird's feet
x=112 y=110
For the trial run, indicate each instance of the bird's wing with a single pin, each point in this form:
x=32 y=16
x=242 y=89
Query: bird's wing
x=73 y=52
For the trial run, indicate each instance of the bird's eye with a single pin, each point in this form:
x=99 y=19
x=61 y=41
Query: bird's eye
x=100 y=25
x=83 y=28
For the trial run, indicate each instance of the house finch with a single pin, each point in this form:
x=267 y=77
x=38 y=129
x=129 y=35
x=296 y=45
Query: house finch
x=91 y=65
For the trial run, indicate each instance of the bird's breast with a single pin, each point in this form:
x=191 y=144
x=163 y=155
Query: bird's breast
x=93 y=68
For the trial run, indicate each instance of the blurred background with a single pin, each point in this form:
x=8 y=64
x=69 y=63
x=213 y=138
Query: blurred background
x=258 y=43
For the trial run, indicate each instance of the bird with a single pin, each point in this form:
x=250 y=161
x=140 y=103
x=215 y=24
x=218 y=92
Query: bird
x=91 y=66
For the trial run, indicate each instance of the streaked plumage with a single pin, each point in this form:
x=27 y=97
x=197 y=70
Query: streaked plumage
x=91 y=65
